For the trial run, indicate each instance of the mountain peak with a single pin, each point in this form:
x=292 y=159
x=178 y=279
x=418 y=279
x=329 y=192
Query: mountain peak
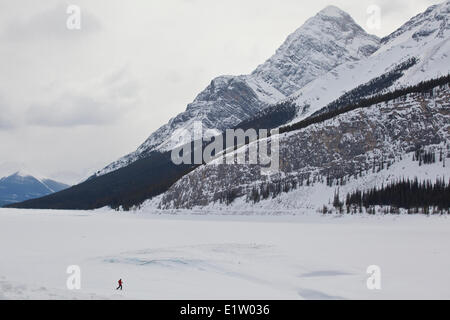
x=323 y=42
x=23 y=173
x=333 y=11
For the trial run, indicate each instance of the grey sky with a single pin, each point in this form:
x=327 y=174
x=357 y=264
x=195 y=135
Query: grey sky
x=73 y=101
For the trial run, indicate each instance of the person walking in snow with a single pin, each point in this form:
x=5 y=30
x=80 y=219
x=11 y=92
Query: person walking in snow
x=120 y=285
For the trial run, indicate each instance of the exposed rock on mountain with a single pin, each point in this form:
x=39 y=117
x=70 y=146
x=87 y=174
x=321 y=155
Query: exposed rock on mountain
x=345 y=146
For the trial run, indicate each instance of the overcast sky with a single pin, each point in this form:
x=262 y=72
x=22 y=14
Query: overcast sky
x=72 y=101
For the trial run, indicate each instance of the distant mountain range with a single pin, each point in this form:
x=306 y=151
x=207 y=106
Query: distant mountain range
x=328 y=71
x=22 y=186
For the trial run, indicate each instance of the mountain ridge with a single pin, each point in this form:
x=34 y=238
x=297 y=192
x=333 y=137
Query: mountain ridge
x=324 y=41
x=21 y=186
x=430 y=51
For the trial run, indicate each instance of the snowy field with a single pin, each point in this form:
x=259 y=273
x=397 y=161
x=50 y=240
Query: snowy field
x=306 y=256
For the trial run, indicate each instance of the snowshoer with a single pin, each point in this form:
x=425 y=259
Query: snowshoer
x=120 y=285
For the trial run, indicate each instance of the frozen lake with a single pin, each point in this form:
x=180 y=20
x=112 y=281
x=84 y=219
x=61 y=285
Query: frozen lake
x=306 y=256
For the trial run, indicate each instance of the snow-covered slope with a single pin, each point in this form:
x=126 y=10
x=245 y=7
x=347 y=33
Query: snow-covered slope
x=351 y=144
x=325 y=41
x=425 y=37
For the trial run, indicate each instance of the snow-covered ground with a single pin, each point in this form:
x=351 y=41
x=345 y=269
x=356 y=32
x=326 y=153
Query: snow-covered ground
x=197 y=256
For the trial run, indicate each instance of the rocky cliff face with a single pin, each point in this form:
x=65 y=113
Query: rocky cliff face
x=342 y=147
x=325 y=41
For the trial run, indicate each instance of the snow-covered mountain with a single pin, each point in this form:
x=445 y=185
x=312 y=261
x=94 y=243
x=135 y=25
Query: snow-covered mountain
x=325 y=41
x=327 y=64
x=353 y=148
x=22 y=186
x=425 y=39
x=352 y=142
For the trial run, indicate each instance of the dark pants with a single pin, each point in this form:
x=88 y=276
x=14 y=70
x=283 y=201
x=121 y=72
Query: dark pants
x=119 y=287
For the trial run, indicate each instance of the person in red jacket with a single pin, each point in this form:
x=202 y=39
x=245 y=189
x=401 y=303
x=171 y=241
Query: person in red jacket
x=120 y=285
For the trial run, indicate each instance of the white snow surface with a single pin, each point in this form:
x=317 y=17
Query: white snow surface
x=189 y=256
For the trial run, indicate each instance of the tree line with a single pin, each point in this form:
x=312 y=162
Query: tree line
x=406 y=194
x=374 y=86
